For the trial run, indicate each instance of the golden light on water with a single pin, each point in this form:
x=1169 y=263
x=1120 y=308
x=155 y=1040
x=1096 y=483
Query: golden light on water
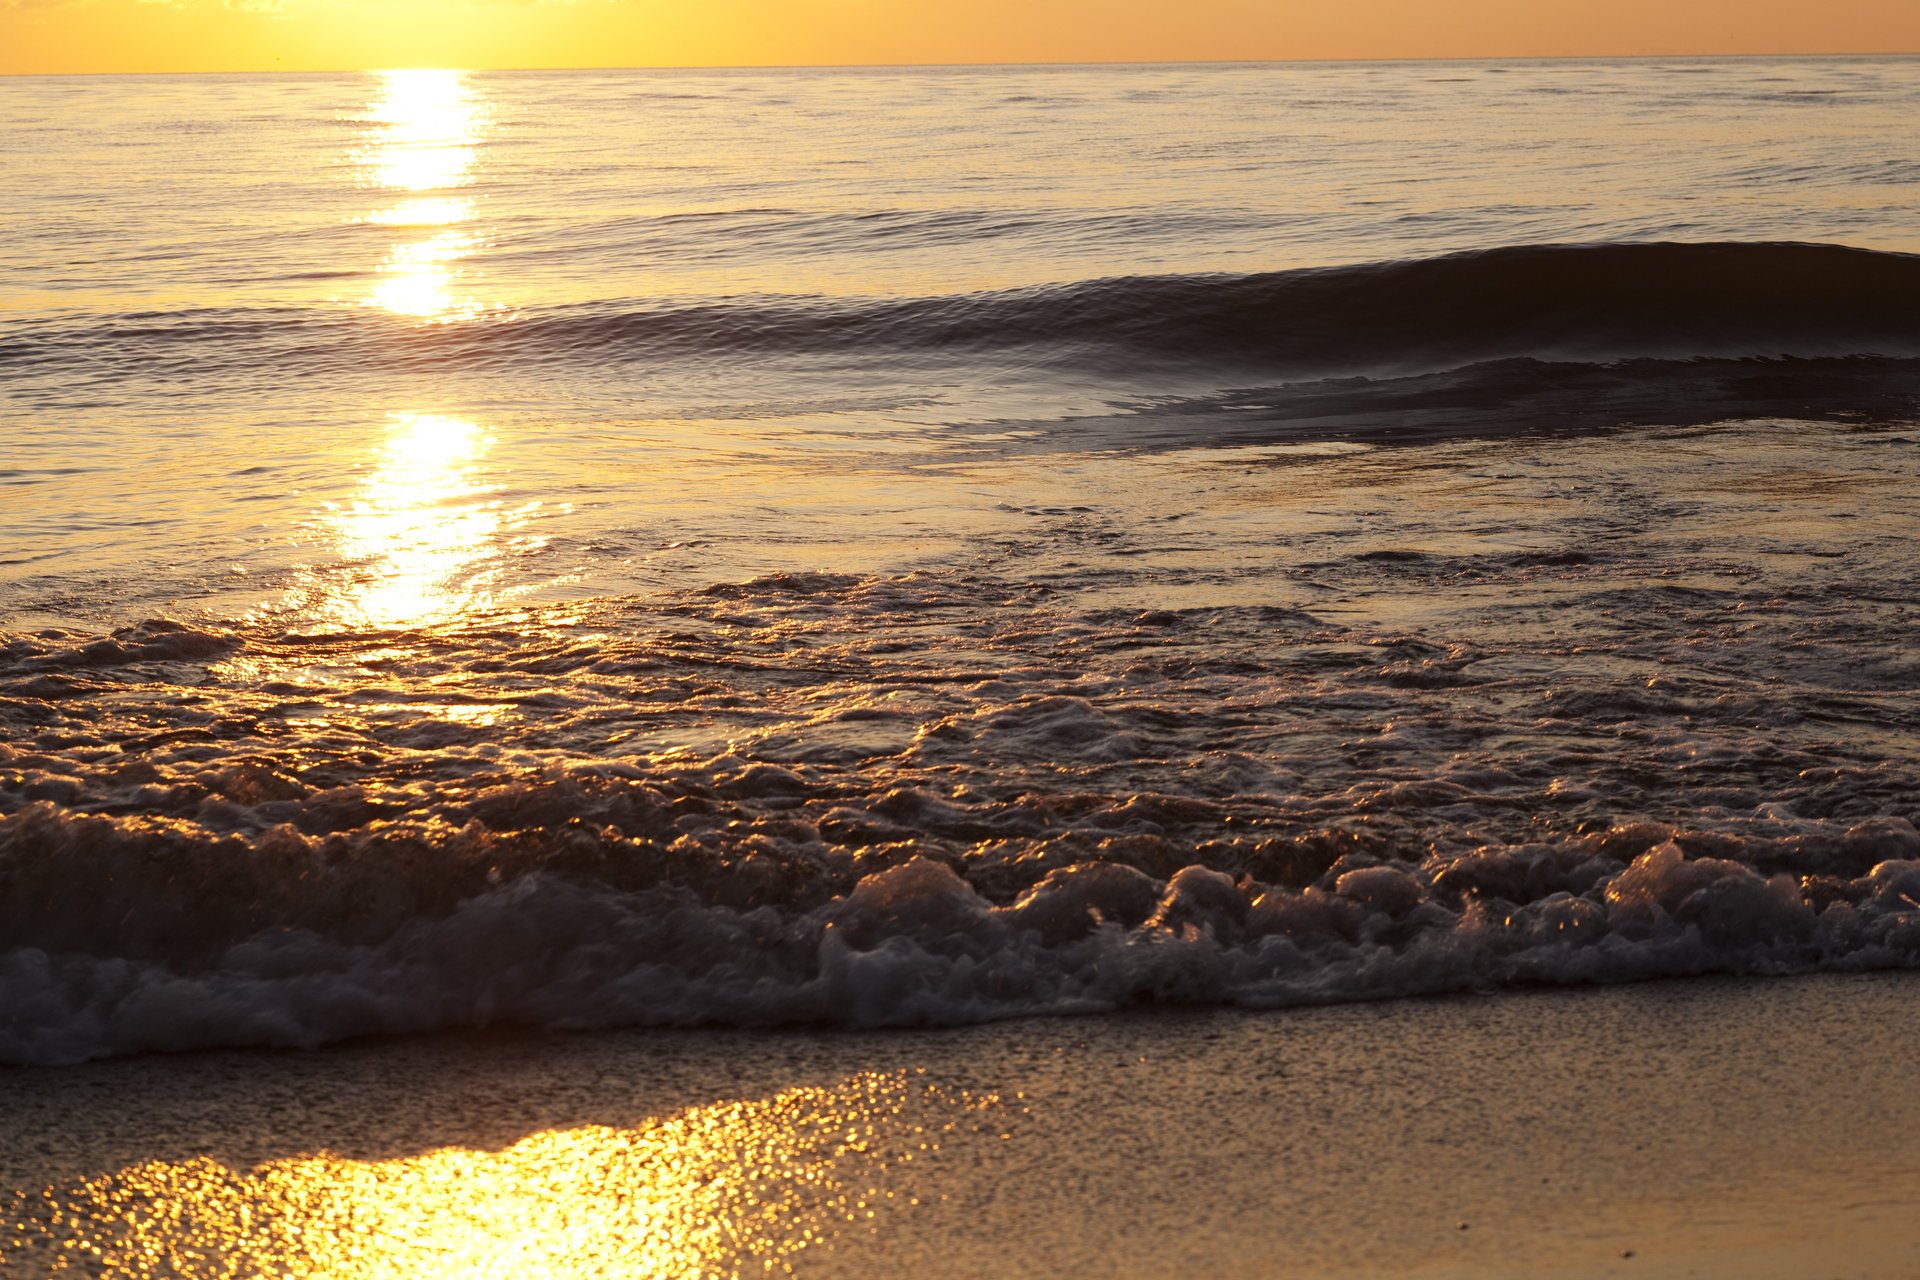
x=727 y=1189
x=419 y=281
x=426 y=520
x=427 y=211
x=422 y=526
x=427 y=127
x=430 y=124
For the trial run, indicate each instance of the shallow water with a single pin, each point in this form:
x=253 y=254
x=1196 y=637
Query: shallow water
x=907 y=547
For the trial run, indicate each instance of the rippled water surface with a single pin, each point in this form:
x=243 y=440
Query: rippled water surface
x=920 y=546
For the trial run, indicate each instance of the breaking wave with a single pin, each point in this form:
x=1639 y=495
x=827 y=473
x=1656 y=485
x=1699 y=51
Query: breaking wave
x=232 y=835
x=917 y=945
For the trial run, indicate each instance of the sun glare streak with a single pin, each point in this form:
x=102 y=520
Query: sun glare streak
x=422 y=526
x=430 y=126
x=428 y=211
x=427 y=127
x=419 y=282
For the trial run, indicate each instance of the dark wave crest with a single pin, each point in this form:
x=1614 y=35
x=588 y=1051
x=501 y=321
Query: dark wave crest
x=1595 y=303
x=1608 y=301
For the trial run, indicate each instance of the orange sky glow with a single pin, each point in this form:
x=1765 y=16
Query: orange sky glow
x=239 y=35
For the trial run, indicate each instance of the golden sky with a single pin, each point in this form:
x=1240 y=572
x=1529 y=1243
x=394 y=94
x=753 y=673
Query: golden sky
x=232 y=35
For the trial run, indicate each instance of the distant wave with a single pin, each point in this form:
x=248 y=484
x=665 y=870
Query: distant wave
x=1590 y=303
x=1605 y=301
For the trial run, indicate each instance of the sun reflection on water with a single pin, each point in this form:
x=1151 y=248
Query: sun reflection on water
x=422 y=528
x=728 y=1189
x=427 y=130
x=418 y=280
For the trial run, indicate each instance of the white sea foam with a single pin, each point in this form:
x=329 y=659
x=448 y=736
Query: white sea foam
x=915 y=945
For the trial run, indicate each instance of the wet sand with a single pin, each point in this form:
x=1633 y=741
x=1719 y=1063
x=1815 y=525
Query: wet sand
x=1711 y=1128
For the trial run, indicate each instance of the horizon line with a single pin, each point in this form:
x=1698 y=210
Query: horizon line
x=1032 y=64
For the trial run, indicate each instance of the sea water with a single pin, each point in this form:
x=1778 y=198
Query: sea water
x=882 y=547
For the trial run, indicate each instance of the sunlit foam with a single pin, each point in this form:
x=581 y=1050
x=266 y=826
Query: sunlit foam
x=477 y=715
x=725 y=1189
x=422 y=527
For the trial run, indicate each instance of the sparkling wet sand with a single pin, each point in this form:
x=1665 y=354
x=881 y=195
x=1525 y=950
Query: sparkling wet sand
x=1709 y=1128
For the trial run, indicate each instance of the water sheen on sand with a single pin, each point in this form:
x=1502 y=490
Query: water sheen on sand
x=1415 y=531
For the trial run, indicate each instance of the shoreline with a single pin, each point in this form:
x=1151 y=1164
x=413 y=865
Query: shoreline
x=1707 y=1127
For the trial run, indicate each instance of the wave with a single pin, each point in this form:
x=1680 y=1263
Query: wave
x=178 y=872
x=1591 y=303
x=917 y=945
x=1608 y=301
x=1497 y=397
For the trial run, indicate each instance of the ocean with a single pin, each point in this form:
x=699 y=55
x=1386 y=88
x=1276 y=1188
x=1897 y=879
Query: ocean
x=916 y=547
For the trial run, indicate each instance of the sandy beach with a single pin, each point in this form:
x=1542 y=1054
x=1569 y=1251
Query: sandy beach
x=1712 y=1128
